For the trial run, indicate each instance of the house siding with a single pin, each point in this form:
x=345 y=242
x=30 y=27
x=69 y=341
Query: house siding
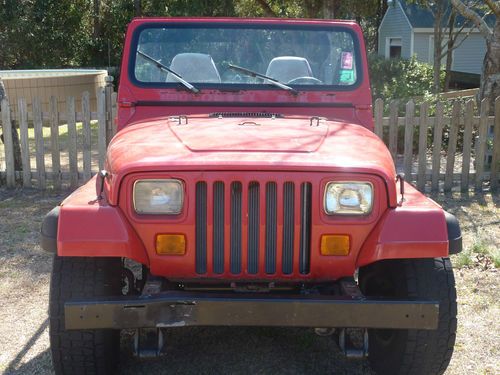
x=468 y=58
x=421 y=46
x=395 y=25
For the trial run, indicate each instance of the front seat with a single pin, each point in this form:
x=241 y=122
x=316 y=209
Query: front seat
x=288 y=68
x=194 y=67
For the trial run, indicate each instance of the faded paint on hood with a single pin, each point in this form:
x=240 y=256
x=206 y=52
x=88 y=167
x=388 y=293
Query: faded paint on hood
x=206 y=143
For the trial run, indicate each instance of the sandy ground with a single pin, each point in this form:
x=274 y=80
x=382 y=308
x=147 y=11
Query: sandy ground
x=25 y=272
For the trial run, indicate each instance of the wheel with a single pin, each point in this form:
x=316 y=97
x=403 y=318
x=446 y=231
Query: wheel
x=415 y=352
x=83 y=351
x=305 y=81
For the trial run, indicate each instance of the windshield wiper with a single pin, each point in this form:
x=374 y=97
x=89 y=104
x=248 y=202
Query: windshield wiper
x=271 y=80
x=162 y=67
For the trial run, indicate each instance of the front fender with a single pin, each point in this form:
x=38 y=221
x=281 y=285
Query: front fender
x=88 y=227
x=418 y=228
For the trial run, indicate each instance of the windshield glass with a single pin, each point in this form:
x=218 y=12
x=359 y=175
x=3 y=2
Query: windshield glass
x=312 y=57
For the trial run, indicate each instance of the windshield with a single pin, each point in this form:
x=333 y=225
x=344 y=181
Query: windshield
x=206 y=56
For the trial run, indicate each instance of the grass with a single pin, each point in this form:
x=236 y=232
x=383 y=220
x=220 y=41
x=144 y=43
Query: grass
x=481 y=251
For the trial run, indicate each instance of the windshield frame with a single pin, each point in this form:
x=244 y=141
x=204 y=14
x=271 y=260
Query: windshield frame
x=227 y=87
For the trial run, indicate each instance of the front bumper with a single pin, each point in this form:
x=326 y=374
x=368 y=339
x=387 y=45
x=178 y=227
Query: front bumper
x=176 y=309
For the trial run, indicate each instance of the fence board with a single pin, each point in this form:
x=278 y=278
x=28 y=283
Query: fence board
x=436 y=148
x=87 y=137
x=467 y=144
x=72 y=142
x=481 y=143
x=409 y=126
x=101 y=110
x=495 y=162
x=39 y=144
x=452 y=146
x=393 y=128
x=54 y=143
x=422 y=146
x=114 y=111
x=8 y=144
x=379 y=113
x=22 y=110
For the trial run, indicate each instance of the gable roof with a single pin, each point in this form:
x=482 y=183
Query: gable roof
x=420 y=17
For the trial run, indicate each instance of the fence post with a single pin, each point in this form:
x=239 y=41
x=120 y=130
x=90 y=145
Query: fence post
x=481 y=143
x=379 y=115
x=393 y=128
x=436 y=147
x=467 y=144
x=495 y=162
x=108 y=89
x=101 y=118
x=8 y=144
x=24 y=140
x=72 y=142
x=409 y=126
x=39 y=146
x=87 y=136
x=54 y=143
x=422 y=146
x=452 y=146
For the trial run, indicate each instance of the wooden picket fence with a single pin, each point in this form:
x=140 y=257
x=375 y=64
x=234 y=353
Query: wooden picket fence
x=440 y=152
x=434 y=165
x=54 y=168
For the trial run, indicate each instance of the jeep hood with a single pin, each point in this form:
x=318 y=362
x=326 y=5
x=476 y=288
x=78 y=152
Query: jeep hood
x=208 y=143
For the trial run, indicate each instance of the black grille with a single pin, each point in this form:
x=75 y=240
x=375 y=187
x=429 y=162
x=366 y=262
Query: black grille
x=271 y=226
x=288 y=219
x=236 y=227
x=218 y=228
x=249 y=201
x=201 y=227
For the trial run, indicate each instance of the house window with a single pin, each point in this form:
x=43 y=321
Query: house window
x=394 y=48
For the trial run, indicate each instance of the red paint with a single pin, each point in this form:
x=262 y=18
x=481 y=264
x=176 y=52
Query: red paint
x=341 y=148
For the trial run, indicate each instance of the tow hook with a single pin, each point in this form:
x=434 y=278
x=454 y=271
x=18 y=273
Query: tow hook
x=354 y=342
x=148 y=342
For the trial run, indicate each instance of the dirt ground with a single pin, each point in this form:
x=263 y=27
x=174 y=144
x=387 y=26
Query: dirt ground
x=24 y=284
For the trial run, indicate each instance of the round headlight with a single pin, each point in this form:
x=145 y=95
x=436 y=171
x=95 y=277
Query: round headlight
x=348 y=198
x=158 y=197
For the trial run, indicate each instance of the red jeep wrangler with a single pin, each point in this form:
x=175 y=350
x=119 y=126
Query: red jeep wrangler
x=246 y=187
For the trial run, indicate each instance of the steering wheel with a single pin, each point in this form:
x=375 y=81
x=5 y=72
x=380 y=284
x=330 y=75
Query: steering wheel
x=305 y=81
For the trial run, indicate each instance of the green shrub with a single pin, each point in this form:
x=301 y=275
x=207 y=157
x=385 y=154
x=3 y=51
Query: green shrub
x=400 y=79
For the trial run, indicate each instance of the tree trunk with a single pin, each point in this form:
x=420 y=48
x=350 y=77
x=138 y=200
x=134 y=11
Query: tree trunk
x=490 y=76
x=138 y=8
x=449 y=51
x=438 y=48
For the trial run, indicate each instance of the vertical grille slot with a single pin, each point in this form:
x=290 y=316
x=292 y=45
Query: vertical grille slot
x=253 y=227
x=218 y=227
x=288 y=227
x=235 y=259
x=271 y=224
x=201 y=227
x=305 y=228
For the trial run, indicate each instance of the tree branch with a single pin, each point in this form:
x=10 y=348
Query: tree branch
x=268 y=12
x=474 y=17
x=494 y=6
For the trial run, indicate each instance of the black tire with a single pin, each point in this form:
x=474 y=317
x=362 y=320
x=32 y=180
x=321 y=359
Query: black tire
x=83 y=351
x=415 y=352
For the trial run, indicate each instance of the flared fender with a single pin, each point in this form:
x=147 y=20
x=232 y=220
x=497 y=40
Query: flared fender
x=90 y=227
x=417 y=228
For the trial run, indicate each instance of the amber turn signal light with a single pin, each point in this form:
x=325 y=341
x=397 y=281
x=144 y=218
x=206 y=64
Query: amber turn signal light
x=335 y=244
x=170 y=244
